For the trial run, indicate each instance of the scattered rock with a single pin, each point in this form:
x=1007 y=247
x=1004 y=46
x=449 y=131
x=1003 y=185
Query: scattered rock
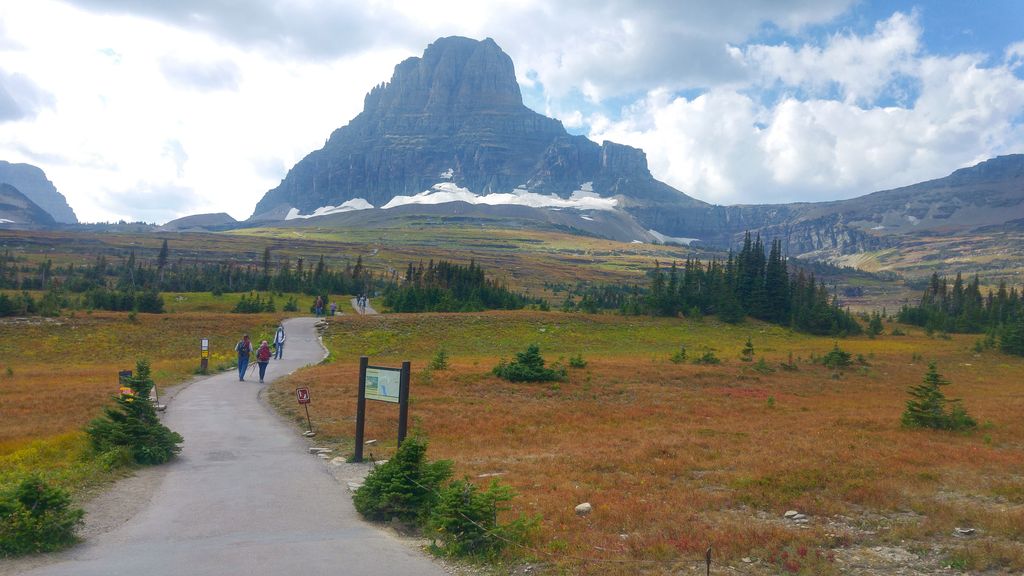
x=322 y=456
x=338 y=460
x=790 y=514
x=584 y=509
x=964 y=532
x=747 y=560
x=491 y=474
x=353 y=486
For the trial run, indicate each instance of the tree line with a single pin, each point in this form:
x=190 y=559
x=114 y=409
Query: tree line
x=449 y=287
x=960 y=307
x=748 y=283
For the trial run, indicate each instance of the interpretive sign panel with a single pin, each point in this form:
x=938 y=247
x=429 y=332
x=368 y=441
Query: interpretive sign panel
x=383 y=384
x=302 y=395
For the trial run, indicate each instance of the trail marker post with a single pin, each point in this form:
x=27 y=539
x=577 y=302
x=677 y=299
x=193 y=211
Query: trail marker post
x=124 y=384
x=204 y=354
x=384 y=385
x=302 y=395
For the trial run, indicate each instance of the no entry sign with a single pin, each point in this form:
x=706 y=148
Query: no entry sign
x=302 y=395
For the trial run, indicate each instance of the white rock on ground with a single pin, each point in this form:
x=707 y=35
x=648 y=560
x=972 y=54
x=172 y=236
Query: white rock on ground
x=584 y=509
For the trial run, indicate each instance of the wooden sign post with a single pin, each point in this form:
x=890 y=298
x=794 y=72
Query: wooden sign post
x=384 y=385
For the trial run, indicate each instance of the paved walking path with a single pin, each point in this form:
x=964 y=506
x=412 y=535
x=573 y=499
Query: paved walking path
x=244 y=497
x=362 y=309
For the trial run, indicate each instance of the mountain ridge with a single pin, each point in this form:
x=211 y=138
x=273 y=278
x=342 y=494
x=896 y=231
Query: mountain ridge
x=32 y=182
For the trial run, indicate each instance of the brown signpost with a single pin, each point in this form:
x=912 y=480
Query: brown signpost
x=302 y=395
x=384 y=385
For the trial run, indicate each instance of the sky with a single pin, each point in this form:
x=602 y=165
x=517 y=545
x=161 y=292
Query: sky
x=148 y=110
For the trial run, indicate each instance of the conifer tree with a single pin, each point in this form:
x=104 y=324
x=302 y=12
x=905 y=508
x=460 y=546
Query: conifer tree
x=927 y=407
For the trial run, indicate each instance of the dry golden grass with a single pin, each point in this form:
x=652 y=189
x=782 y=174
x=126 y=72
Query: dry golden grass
x=676 y=457
x=56 y=374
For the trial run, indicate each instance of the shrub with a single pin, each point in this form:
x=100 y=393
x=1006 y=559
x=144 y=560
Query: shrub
x=440 y=360
x=577 y=361
x=254 y=304
x=762 y=367
x=36 y=517
x=680 y=356
x=405 y=486
x=465 y=520
x=292 y=305
x=133 y=424
x=747 y=354
x=707 y=359
x=528 y=367
x=928 y=406
x=836 y=358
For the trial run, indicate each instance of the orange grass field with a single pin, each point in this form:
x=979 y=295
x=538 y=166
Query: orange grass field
x=675 y=457
x=57 y=373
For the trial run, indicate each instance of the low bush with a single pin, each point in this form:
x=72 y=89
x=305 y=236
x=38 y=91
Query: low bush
x=465 y=520
x=577 y=361
x=404 y=487
x=528 y=367
x=440 y=360
x=708 y=358
x=36 y=517
x=836 y=358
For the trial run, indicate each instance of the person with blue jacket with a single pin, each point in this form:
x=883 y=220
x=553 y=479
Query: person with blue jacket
x=244 y=349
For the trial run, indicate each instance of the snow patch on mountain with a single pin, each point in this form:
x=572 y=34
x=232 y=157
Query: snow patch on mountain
x=444 y=192
x=348 y=206
x=671 y=240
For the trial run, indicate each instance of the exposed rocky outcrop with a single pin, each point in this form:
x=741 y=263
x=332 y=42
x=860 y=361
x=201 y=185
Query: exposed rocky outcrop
x=18 y=211
x=32 y=182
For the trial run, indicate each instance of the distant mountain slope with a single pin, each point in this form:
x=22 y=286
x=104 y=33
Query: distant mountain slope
x=455 y=118
x=32 y=182
x=18 y=211
x=216 y=221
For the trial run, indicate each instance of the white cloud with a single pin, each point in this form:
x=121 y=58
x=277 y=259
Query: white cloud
x=736 y=146
x=860 y=66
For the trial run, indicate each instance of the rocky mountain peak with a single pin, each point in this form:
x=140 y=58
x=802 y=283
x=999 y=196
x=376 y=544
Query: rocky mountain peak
x=454 y=74
x=454 y=117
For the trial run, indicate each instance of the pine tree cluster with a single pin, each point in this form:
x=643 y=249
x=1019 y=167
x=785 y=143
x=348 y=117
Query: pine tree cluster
x=746 y=284
x=448 y=287
x=962 y=308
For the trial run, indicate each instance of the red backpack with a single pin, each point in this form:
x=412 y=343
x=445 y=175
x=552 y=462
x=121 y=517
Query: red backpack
x=263 y=354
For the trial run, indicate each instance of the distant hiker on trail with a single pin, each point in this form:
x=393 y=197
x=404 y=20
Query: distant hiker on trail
x=244 y=349
x=334 y=307
x=318 y=308
x=263 y=358
x=279 y=342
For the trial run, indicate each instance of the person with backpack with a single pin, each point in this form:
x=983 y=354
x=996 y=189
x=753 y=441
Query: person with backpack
x=279 y=342
x=244 y=349
x=263 y=358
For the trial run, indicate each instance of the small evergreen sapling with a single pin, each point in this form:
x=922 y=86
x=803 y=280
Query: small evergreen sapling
x=929 y=408
x=404 y=487
x=528 y=367
x=747 y=354
x=132 y=424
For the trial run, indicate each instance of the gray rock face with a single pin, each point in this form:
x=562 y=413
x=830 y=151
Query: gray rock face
x=18 y=211
x=32 y=182
x=456 y=114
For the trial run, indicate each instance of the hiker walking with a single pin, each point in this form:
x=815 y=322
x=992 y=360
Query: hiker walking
x=334 y=307
x=263 y=358
x=279 y=342
x=318 y=308
x=244 y=349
